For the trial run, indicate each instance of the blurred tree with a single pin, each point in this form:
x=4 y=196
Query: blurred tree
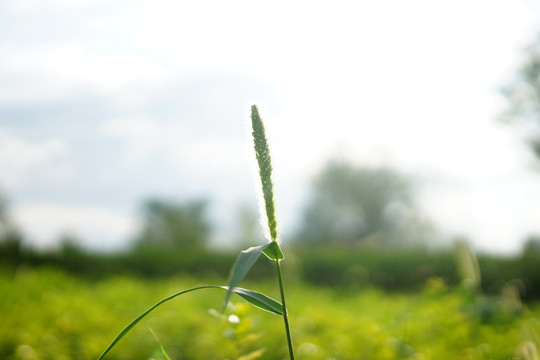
x=523 y=96
x=531 y=245
x=4 y=221
x=10 y=237
x=171 y=225
x=350 y=205
x=69 y=245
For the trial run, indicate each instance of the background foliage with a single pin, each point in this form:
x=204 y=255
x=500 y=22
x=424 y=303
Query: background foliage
x=48 y=314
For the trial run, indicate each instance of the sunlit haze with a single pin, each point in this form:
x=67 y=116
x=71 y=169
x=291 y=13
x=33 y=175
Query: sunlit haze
x=104 y=104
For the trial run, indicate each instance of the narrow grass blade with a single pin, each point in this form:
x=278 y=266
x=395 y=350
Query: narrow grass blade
x=259 y=300
x=273 y=251
x=241 y=267
x=255 y=298
x=140 y=317
x=163 y=351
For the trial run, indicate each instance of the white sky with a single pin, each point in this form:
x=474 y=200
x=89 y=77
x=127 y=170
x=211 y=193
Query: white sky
x=104 y=103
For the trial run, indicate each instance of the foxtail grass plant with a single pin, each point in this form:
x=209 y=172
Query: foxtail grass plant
x=247 y=258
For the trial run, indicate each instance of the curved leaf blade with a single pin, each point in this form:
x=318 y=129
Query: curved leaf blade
x=259 y=300
x=241 y=267
x=143 y=315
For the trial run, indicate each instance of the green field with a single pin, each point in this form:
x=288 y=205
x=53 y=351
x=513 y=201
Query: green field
x=48 y=314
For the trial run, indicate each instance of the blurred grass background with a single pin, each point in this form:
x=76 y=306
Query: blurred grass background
x=344 y=305
x=48 y=313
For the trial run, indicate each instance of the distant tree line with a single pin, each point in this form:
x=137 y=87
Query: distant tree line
x=347 y=206
x=352 y=213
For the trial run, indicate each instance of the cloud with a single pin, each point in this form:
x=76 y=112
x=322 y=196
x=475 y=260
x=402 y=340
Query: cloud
x=198 y=122
x=175 y=142
x=24 y=163
x=142 y=135
x=95 y=226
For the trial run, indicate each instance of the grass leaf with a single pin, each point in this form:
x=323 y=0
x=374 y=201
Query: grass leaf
x=143 y=315
x=241 y=267
x=161 y=347
x=257 y=299
x=273 y=251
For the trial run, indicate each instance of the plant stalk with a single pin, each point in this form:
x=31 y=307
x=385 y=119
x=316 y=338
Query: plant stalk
x=285 y=314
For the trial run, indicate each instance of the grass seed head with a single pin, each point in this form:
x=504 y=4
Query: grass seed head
x=262 y=153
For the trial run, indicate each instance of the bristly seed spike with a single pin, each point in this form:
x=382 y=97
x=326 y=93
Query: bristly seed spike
x=262 y=153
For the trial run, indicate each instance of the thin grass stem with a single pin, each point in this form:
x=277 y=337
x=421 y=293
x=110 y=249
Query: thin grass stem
x=285 y=314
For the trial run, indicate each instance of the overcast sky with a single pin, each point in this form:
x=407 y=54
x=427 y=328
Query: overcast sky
x=105 y=103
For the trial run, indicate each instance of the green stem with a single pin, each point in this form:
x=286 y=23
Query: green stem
x=285 y=314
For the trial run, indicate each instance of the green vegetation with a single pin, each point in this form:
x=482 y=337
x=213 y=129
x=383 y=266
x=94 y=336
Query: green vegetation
x=164 y=224
x=350 y=299
x=48 y=314
x=271 y=250
x=336 y=267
